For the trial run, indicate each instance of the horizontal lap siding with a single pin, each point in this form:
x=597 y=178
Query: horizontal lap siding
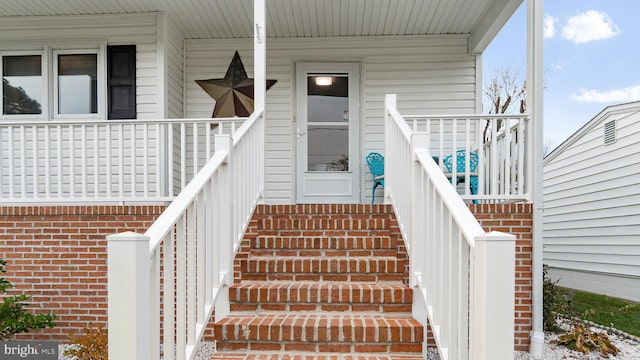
x=174 y=66
x=430 y=75
x=33 y=33
x=592 y=208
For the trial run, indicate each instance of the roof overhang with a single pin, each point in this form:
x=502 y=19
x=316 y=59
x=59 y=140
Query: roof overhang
x=481 y=20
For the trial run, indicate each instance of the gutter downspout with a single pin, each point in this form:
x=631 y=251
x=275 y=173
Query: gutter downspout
x=535 y=91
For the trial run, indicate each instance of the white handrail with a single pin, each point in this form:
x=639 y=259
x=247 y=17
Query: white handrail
x=460 y=274
x=104 y=161
x=187 y=266
x=501 y=153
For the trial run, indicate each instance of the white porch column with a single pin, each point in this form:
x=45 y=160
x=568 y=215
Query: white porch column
x=128 y=285
x=536 y=146
x=260 y=77
x=259 y=54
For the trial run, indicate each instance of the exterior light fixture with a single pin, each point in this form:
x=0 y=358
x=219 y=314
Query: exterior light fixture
x=324 y=80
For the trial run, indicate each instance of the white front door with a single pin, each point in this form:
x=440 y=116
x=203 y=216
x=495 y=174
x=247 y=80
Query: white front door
x=327 y=132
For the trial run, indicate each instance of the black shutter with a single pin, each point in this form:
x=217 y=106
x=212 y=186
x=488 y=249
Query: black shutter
x=121 y=81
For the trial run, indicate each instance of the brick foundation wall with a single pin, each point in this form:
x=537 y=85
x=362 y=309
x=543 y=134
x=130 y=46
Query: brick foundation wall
x=57 y=255
x=516 y=219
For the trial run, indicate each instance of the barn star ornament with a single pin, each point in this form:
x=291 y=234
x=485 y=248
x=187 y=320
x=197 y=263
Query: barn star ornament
x=233 y=93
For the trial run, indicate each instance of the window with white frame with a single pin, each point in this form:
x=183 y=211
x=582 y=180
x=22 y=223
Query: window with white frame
x=73 y=86
x=75 y=83
x=22 y=85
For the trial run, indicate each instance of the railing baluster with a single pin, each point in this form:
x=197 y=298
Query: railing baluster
x=523 y=128
x=96 y=162
x=183 y=156
x=181 y=286
x=84 y=154
x=145 y=157
x=154 y=306
x=12 y=160
x=121 y=170
x=170 y=175
x=59 y=130
x=169 y=299
x=23 y=163
x=195 y=149
x=191 y=300
x=47 y=162
x=201 y=248
x=107 y=144
x=508 y=157
x=72 y=161
x=494 y=158
x=36 y=162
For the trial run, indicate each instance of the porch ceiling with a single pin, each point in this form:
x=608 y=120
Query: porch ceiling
x=296 y=18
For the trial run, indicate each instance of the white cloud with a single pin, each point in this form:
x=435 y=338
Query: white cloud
x=559 y=65
x=630 y=93
x=589 y=26
x=550 y=27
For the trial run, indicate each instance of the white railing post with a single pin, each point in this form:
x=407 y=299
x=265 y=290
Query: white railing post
x=493 y=297
x=128 y=286
x=389 y=103
x=226 y=226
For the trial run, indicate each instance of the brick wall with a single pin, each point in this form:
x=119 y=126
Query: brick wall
x=57 y=255
x=516 y=219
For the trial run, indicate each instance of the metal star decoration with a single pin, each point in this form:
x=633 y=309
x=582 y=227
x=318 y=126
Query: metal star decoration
x=233 y=93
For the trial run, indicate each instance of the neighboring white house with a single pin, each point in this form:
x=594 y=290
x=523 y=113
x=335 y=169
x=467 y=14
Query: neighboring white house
x=592 y=205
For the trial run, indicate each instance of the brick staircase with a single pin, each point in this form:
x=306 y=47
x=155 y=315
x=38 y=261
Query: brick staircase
x=320 y=282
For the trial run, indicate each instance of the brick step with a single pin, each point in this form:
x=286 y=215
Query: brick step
x=344 y=242
x=311 y=356
x=325 y=222
x=322 y=265
x=317 y=209
x=291 y=296
x=319 y=332
x=361 y=278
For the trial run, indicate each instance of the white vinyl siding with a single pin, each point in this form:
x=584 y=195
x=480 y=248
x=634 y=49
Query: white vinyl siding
x=174 y=65
x=592 y=209
x=430 y=75
x=86 y=32
x=81 y=31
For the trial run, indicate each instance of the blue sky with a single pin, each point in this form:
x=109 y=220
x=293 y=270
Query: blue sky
x=591 y=59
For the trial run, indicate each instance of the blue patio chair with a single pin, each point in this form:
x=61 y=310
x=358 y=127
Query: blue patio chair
x=376 y=166
x=460 y=168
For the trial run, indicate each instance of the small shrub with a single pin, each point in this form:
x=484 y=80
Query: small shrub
x=90 y=346
x=584 y=340
x=554 y=302
x=14 y=317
